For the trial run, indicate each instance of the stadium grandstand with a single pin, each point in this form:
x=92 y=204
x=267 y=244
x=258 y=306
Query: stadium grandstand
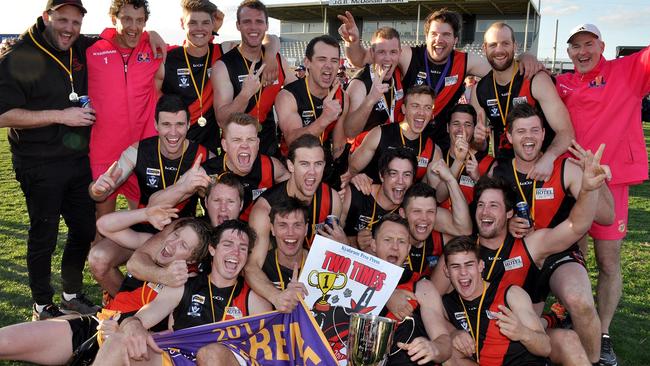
x=301 y=21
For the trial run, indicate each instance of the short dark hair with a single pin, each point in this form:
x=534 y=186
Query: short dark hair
x=253 y=4
x=384 y=33
x=400 y=152
x=391 y=217
x=287 y=206
x=306 y=141
x=325 y=38
x=204 y=6
x=523 y=110
x=229 y=179
x=202 y=230
x=172 y=103
x=498 y=183
x=237 y=226
x=242 y=119
x=116 y=6
x=463 y=108
x=417 y=190
x=501 y=25
x=461 y=244
x=419 y=89
x=444 y=15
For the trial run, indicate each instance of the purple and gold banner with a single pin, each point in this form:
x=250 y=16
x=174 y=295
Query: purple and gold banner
x=271 y=338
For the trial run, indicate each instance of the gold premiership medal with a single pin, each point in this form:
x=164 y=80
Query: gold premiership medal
x=73 y=97
x=202 y=121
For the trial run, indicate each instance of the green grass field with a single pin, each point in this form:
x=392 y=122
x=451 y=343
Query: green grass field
x=630 y=329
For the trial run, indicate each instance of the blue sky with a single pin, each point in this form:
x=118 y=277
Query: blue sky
x=622 y=22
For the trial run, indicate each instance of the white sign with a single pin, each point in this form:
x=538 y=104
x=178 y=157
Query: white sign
x=364 y=2
x=342 y=280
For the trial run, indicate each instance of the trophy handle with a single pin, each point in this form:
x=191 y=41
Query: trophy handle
x=410 y=336
x=312 y=284
x=345 y=281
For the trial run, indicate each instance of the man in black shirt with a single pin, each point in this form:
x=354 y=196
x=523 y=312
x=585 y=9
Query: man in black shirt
x=41 y=78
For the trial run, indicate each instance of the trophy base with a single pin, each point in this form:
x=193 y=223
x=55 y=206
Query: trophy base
x=322 y=307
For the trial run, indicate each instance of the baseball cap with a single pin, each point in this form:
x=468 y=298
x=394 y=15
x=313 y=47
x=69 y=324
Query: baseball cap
x=589 y=28
x=55 y=4
x=300 y=68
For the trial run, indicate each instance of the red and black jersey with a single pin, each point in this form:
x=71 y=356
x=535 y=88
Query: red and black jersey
x=495 y=348
x=270 y=269
x=150 y=170
x=448 y=82
x=364 y=212
x=178 y=80
x=423 y=147
x=521 y=93
x=553 y=202
x=260 y=178
x=319 y=207
x=513 y=266
x=261 y=104
x=196 y=306
x=133 y=295
x=465 y=182
x=308 y=115
x=422 y=260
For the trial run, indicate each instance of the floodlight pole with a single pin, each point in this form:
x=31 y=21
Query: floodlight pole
x=417 y=27
x=526 y=29
x=325 y=21
x=557 y=21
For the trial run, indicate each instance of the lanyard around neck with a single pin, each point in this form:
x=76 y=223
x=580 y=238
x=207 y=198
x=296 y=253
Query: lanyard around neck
x=73 y=96
x=521 y=191
x=199 y=94
x=225 y=309
x=162 y=167
x=475 y=335
x=496 y=93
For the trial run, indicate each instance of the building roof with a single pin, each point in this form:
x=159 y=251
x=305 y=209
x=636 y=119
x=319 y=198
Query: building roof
x=310 y=10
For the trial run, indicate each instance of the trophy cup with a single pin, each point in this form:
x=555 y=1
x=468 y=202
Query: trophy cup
x=369 y=339
x=326 y=281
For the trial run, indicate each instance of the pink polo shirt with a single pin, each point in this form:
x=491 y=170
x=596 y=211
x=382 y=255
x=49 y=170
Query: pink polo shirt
x=605 y=107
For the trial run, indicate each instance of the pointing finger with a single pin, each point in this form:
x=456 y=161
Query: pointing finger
x=335 y=87
x=296 y=269
x=259 y=71
x=197 y=162
x=251 y=70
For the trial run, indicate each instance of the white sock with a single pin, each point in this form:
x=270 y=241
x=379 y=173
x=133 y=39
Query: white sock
x=68 y=297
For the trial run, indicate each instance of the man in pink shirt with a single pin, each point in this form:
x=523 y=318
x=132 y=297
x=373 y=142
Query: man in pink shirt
x=121 y=70
x=603 y=99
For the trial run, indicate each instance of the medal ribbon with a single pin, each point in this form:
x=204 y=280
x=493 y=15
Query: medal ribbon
x=199 y=94
x=521 y=191
x=214 y=319
x=162 y=168
x=478 y=320
x=67 y=70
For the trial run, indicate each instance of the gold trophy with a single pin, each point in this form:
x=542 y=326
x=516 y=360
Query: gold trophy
x=326 y=281
x=369 y=339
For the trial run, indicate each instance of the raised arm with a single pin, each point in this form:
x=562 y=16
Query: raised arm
x=432 y=312
x=558 y=118
x=362 y=103
x=362 y=156
x=225 y=103
x=458 y=221
x=543 y=243
x=117 y=225
x=354 y=51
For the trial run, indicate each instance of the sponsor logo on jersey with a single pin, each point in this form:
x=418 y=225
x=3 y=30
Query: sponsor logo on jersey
x=466 y=181
x=420 y=78
x=544 y=193
x=153 y=171
x=513 y=263
x=491 y=102
x=144 y=57
x=363 y=222
x=257 y=192
x=235 y=312
x=183 y=71
x=597 y=82
x=519 y=100
x=451 y=80
x=462 y=320
x=422 y=162
x=198 y=298
x=399 y=94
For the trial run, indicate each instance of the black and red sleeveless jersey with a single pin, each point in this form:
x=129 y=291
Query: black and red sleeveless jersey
x=521 y=93
x=133 y=295
x=149 y=171
x=270 y=269
x=495 y=349
x=319 y=206
x=449 y=86
x=513 y=266
x=178 y=81
x=553 y=202
x=260 y=178
x=308 y=115
x=465 y=182
x=422 y=260
x=261 y=104
x=196 y=306
x=423 y=147
x=364 y=212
